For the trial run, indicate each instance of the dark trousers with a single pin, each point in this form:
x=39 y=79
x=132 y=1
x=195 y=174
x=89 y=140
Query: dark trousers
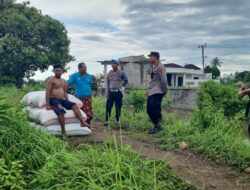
x=117 y=98
x=154 y=108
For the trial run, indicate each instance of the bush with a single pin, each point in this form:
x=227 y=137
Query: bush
x=211 y=132
x=222 y=97
x=136 y=99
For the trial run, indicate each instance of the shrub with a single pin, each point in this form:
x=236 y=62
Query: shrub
x=136 y=99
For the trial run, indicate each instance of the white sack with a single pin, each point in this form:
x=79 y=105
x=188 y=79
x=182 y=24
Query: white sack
x=48 y=117
x=72 y=129
x=37 y=99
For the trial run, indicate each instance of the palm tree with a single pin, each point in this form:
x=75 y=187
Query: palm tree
x=215 y=62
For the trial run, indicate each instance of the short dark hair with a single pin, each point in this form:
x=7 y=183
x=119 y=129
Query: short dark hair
x=57 y=66
x=80 y=64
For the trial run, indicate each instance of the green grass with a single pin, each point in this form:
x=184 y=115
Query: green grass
x=105 y=167
x=37 y=160
x=213 y=130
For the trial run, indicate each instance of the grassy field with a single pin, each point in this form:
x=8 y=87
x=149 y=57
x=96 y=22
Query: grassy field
x=30 y=159
x=213 y=130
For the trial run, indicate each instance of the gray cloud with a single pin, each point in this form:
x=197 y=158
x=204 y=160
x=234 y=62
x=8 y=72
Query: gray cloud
x=94 y=38
x=177 y=28
x=107 y=29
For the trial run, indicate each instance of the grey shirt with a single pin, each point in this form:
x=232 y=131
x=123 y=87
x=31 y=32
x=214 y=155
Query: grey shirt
x=158 y=82
x=116 y=80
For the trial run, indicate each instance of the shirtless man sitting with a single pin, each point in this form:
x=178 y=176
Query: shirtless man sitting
x=57 y=99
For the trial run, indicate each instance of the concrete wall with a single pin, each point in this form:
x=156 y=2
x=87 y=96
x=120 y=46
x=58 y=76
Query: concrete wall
x=183 y=98
x=134 y=71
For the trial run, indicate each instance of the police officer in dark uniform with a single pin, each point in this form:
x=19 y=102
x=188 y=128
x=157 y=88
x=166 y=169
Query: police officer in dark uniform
x=157 y=89
x=116 y=79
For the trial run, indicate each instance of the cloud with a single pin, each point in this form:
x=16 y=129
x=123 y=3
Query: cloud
x=94 y=38
x=106 y=29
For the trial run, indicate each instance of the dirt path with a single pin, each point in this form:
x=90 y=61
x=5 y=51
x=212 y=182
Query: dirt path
x=193 y=169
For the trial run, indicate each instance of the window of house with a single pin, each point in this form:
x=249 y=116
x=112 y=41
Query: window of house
x=196 y=78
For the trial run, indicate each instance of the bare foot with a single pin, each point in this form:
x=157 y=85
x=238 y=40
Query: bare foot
x=89 y=126
x=93 y=127
x=85 y=125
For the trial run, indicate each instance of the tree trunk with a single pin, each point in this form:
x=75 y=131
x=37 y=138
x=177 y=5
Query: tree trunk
x=19 y=82
x=19 y=76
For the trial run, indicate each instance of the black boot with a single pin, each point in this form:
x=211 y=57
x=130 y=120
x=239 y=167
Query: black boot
x=106 y=123
x=155 y=129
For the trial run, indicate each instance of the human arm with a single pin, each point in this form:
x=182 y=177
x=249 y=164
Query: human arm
x=163 y=76
x=124 y=78
x=243 y=92
x=65 y=88
x=108 y=85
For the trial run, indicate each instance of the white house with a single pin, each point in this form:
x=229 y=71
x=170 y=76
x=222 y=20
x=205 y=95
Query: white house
x=188 y=75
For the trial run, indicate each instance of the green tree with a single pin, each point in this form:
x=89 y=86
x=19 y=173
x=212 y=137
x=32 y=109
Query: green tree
x=215 y=62
x=247 y=77
x=214 y=70
x=242 y=76
x=29 y=41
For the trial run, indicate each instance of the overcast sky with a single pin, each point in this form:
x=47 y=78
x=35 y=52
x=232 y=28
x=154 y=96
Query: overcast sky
x=105 y=29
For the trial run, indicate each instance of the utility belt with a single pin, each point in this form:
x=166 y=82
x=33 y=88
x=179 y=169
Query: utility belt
x=114 y=90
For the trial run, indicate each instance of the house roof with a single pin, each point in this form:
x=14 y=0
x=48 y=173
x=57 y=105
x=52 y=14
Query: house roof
x=133 y=59
x=191 y=66
x=187 y=66
x=141 y=59
x=172 y=65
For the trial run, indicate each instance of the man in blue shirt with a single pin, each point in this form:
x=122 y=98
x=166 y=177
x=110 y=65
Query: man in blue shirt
x=82 y=82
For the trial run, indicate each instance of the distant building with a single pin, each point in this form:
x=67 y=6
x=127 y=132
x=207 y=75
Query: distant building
x=188 y=75
x=138 y=71
x=136 y=68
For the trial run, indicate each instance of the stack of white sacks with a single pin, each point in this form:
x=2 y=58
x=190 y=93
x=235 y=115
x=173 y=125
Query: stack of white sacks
x=47 y=120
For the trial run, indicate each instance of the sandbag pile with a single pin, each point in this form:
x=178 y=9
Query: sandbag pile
x=47 y=120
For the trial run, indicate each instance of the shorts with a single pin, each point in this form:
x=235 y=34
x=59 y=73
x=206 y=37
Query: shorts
x=58 y=105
